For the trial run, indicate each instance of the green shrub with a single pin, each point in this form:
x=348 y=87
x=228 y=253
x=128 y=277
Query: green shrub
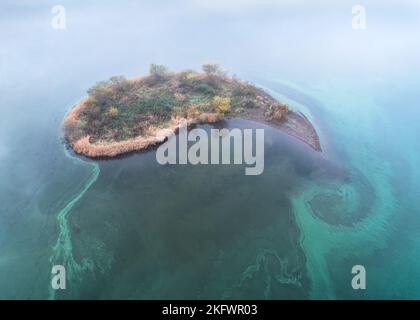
x=112 y=112
x=221 y=104
x=205 y=89
x=159 y=104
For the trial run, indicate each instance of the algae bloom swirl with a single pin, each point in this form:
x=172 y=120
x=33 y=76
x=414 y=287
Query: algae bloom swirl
x=63 y=249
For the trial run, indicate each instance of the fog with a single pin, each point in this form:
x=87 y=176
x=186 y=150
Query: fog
x=44 y=71
x=295 y=40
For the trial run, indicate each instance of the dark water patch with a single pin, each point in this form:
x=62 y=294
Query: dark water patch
x=187 y=231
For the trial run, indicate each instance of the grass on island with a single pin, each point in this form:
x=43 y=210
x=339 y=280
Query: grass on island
x=120 y=109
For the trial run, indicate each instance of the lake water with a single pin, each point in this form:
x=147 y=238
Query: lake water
x=131 y=228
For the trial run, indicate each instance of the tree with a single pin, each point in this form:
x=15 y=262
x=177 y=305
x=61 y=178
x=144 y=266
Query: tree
x=116 y=80
x=221 y=104
x=158 y=70
x=213 y=69
x=100 y=93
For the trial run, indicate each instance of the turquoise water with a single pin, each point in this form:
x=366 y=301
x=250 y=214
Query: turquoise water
x=382 y=146
x=130 y=228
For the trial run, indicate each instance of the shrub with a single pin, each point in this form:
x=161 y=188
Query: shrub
x=193 y=110
x=244 y=90
x=158 y=70
x=95 y=126
x=191 y=75
x=180 y=112
x=100 y=93
x=205 y=88
x=210 y=84
x=221 y=104
x=277 y=112
x=188 y=74
x=73 y=131
x=91 y=102
x=115 y=80
x=186 y=80
x=91 y=111
x=179 y=97
x=119 y=85
x=159 y=105
x=213 y=69
x=112 y=112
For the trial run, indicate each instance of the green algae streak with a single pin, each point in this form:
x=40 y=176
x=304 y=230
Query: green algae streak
x=63 y=249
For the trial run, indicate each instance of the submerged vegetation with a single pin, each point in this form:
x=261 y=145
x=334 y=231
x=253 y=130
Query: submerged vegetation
x=119 y=109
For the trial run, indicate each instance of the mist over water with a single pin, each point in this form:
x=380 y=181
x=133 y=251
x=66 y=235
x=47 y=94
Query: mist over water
x=130 y=228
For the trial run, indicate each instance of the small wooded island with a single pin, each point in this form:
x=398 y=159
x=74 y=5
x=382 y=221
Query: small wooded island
x=121 y=116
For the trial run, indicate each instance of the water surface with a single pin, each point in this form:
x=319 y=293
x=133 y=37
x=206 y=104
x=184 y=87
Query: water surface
x=130 y=228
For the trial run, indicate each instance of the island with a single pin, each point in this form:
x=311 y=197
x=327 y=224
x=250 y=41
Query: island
x=121 y=115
